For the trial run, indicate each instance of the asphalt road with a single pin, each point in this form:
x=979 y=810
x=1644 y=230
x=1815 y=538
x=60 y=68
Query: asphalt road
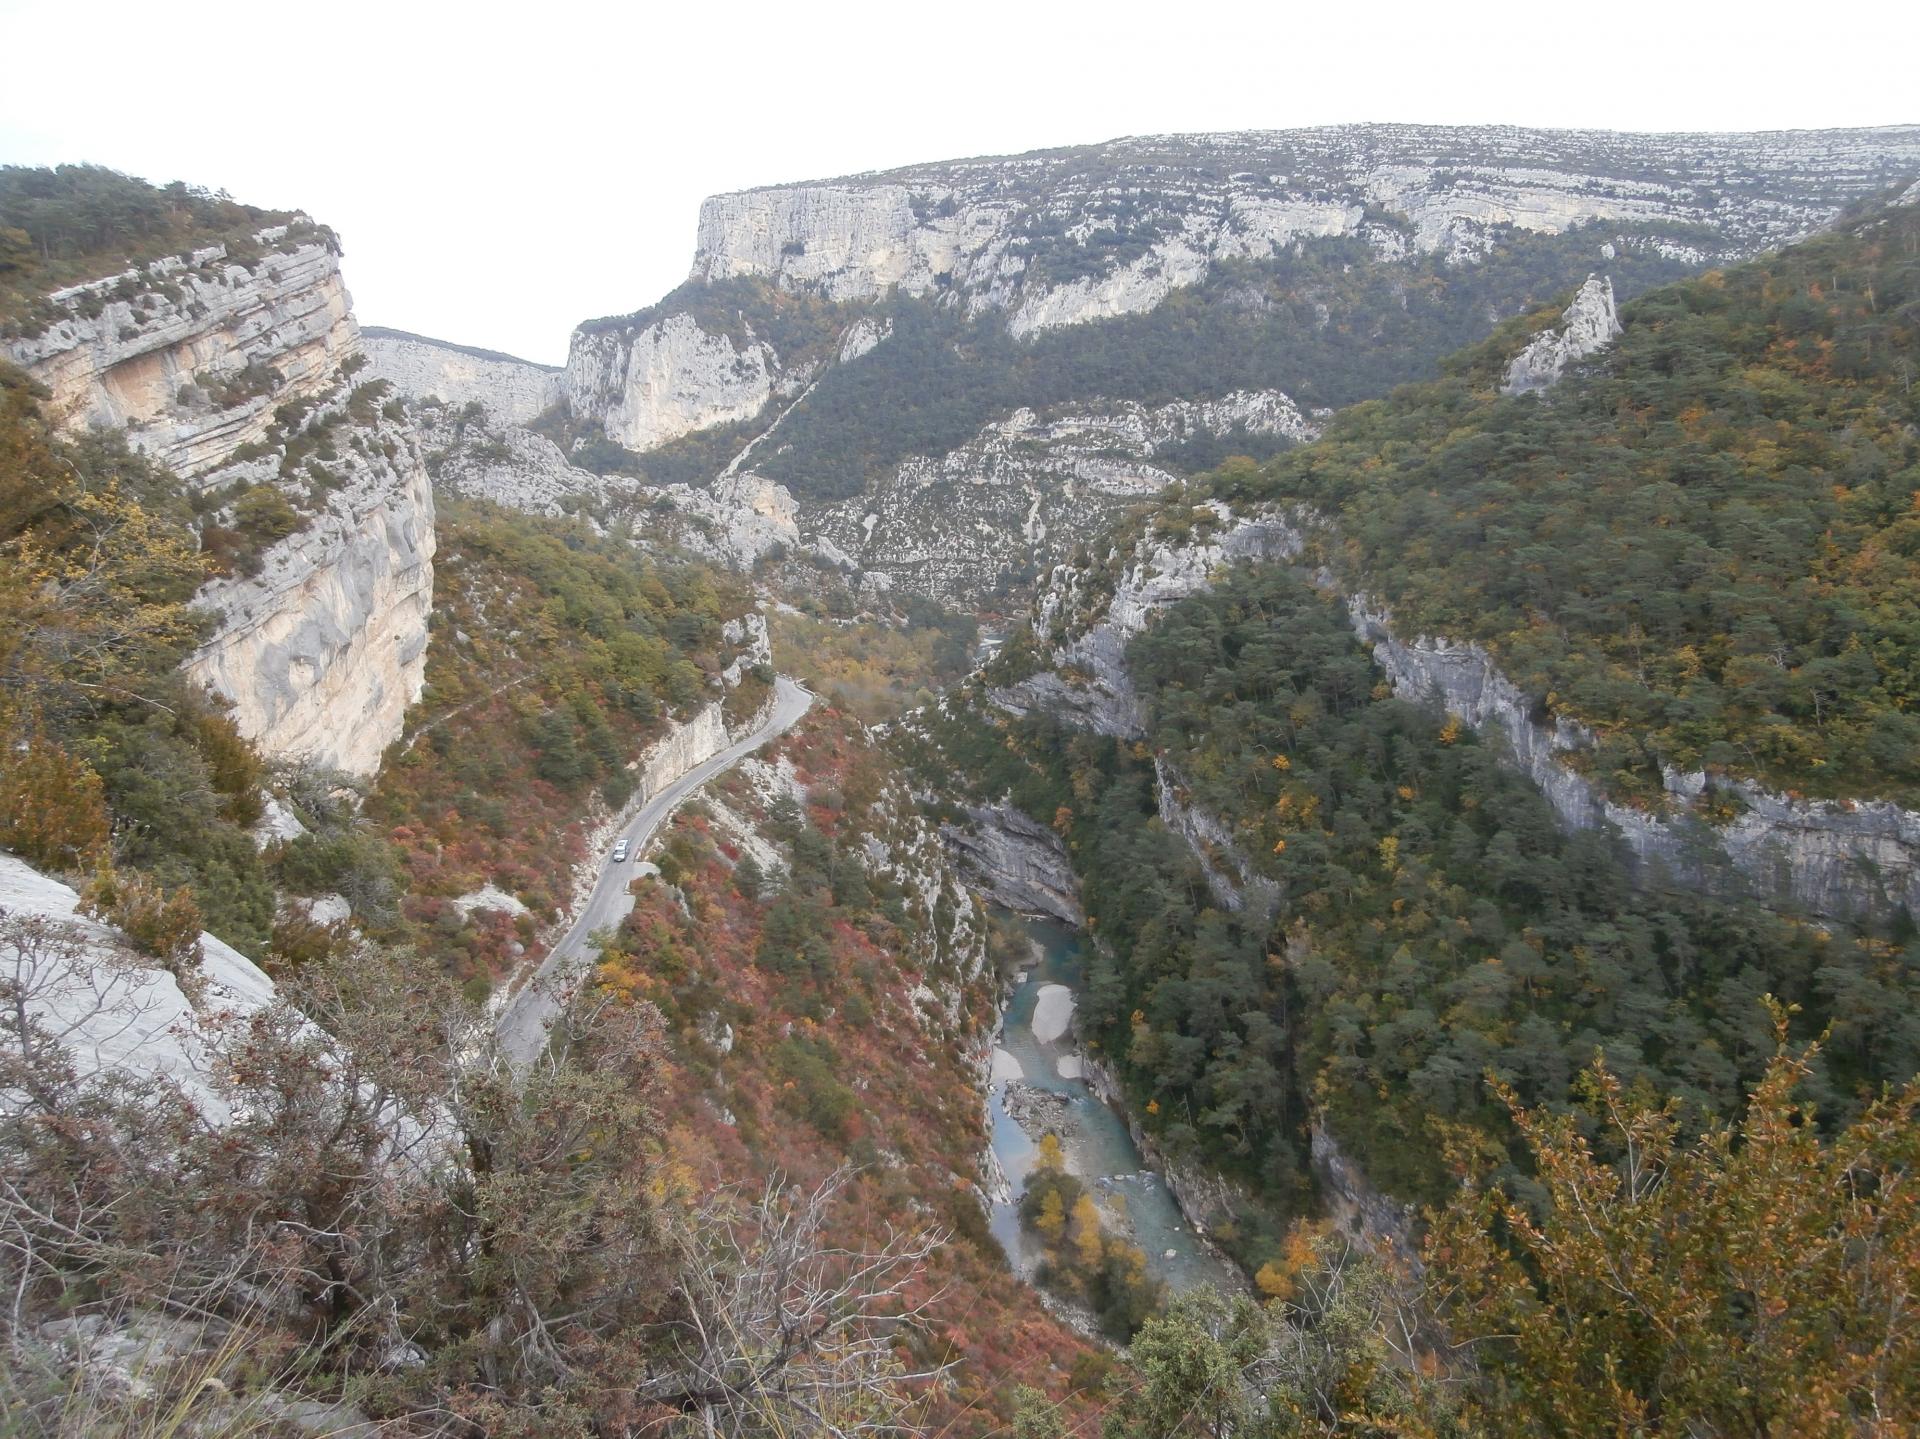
x=522 y=1025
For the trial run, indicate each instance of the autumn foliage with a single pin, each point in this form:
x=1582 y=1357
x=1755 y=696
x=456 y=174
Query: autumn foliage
x=1753 y=1280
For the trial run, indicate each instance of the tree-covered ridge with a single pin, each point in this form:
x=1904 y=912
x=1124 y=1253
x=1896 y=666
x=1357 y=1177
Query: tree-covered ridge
x=1706 y=545
x=1431 y=922
x=1435 y=923
x=70 y=223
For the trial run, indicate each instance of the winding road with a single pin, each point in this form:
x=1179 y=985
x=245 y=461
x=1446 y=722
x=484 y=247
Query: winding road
x=522 y=1025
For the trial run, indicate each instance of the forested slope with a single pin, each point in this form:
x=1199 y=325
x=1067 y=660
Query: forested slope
x=1698 y=543
x=1705 y=546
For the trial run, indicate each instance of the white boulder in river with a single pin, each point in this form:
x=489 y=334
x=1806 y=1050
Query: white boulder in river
x=1052 y=1013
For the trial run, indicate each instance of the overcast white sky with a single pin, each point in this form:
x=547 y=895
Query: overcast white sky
x=500 y=172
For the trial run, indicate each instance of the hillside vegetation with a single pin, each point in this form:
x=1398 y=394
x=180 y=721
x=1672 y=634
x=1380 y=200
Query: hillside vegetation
x=71 y=223
x=1706 y=545
x=1432 y=922
x=1329 y=323
x=556 y=656
x=798 y=997
x=110 y=758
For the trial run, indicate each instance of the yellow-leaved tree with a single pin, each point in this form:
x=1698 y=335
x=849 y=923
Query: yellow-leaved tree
x=1759 y=1279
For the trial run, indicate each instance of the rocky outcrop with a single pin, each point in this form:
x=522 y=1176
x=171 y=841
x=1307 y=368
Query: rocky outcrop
x=747 y=516
x=666 y=379
x=513 y=391
x=321 y=653
x=957 y=526
x=1085 y=632
x=735 y=521
x=509 y=465
x=1360 y=1212
x=192 y=356
x=1588 y=326
x=110 y=1007
x=1016 y=862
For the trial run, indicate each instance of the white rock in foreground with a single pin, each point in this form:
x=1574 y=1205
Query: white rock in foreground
x=115 y=1008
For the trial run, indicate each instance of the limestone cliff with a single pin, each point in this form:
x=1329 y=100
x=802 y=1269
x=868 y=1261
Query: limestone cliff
x=1590 y=324
x=237 y=371
x=509 y=389
x=192 y=356
x=1016 y=861
x=1841 y=860
x=790 y=353
x=649 y=385
x=322 y=651
x=991 y=231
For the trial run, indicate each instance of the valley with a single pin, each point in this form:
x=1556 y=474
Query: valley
x=1250 y=783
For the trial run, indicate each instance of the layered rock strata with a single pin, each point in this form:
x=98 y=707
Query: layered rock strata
x=322 y=652
x=511 y=390
x=191 y=357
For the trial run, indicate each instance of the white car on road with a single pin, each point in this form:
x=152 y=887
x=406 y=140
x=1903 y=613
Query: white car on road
x=620 y=851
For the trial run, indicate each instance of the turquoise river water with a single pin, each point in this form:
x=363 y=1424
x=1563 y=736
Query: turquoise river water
x=1099 y=1149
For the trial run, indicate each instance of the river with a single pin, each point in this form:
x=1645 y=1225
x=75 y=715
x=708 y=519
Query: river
x=1099 y=1150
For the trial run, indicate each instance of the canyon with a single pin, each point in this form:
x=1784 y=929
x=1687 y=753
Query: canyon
x=991 y=385
x=1073 y=247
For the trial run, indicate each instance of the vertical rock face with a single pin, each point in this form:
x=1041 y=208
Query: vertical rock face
x=1590 y=324
x=322 y=652
x=167 y=351
x=1016 y=861
x=665 y=380
x=994 y=231
x=323 y=649
x=850 y=241
x=511 y=390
